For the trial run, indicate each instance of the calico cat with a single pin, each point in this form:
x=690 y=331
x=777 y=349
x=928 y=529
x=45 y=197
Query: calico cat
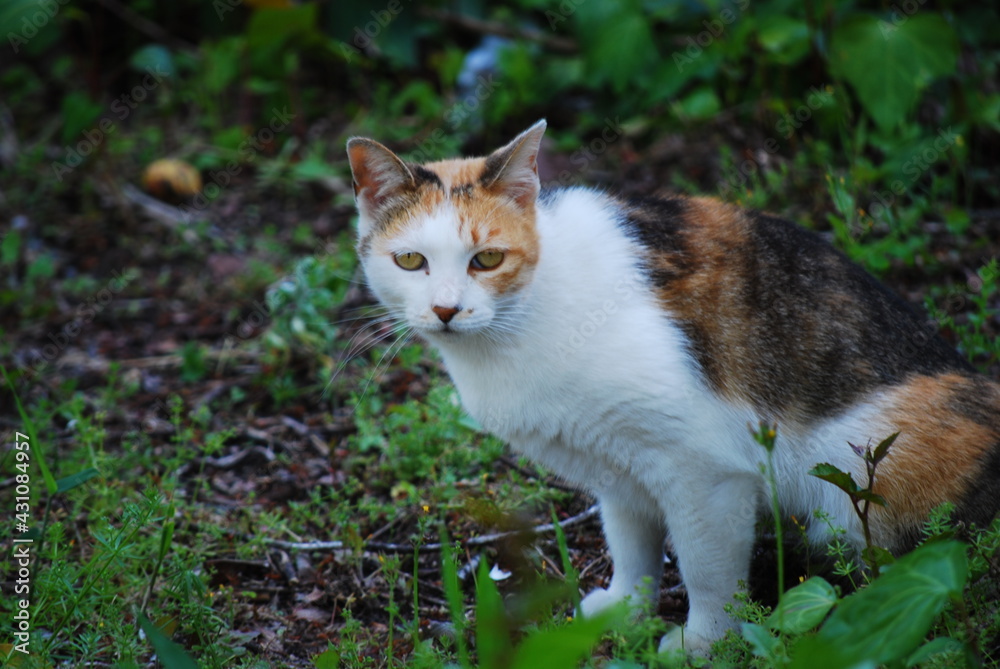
x=627 y=344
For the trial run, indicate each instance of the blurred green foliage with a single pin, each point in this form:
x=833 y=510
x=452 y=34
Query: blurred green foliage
x=405 y=68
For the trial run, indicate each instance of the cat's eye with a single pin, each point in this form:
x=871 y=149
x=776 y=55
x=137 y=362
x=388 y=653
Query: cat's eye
x=410 y=260
x=487 y=259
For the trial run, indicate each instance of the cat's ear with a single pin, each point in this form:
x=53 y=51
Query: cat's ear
x=380 y=177
x=513 y=169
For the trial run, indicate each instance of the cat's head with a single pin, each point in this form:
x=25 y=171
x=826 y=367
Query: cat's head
x=450 y=247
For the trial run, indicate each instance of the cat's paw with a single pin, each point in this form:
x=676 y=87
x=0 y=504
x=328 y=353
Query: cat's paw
x=598 y=601
x=679 y=640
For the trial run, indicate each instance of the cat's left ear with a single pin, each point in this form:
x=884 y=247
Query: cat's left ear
x=513 y=169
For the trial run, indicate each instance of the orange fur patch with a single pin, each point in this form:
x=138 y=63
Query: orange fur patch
x=939 y=452
x=706 y=292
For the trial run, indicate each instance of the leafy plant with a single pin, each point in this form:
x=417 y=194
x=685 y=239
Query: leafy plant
x=862 y=498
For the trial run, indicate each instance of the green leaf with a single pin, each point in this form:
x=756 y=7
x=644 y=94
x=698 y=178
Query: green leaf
x=10 y=248
x=70 y=482
x=886 y=621
x=877 y=557
x=762 y=642
x=701 y=103
x=274 y=27
x=193 y=364
x=617 y=41
x=842 y=480
x=942 y=644
x=883 y=449
x=803 y=607
x=328 y=659
x=492 y=633
x=888 y=63
x=29 y=428
x=79 y=113
x=868 y=495
x=453 y=593
x=786 y=38
x=565 y=646
x=811 y=652
x=572 y=576
x=170 y=654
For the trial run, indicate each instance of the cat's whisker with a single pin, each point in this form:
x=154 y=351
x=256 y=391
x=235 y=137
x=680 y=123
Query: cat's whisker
x=367 y=337
x=387 y=356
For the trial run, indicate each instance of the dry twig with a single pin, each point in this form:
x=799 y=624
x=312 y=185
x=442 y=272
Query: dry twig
x=434 y=547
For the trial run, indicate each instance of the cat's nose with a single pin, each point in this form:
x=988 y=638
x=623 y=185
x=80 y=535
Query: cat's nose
x=445 y=313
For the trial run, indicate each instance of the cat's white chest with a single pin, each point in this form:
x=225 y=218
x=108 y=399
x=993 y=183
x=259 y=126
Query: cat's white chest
x=608 y=401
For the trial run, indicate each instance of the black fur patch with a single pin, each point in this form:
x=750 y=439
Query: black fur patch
x=422 y=175
x=981 y=503
x=658 y=224
x=462 y=190
x=824 y=330
x=803 y=328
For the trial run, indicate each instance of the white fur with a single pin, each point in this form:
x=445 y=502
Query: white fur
x=593 y=379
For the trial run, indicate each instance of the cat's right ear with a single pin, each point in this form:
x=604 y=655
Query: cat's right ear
x=380 y=177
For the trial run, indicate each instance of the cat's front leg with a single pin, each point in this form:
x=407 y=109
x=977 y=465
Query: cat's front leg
x=635 y=534
x=713 y=540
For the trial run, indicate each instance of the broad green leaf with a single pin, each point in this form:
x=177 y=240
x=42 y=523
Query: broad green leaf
x=271 y=27
x=831 y=473
x=942 y=644
x=170 y=654
x=80 y=115
x=888 y=63
x=877 y=557
x=563 y=647
x=812 y=652
x=492 y=634
x=886 y=621
x=701 y=103
x=617 y=40
x=762 y=642
x=328 y=659
x=786 y=38
x=803 y=607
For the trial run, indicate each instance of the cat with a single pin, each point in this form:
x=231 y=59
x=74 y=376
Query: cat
x=627 y=345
